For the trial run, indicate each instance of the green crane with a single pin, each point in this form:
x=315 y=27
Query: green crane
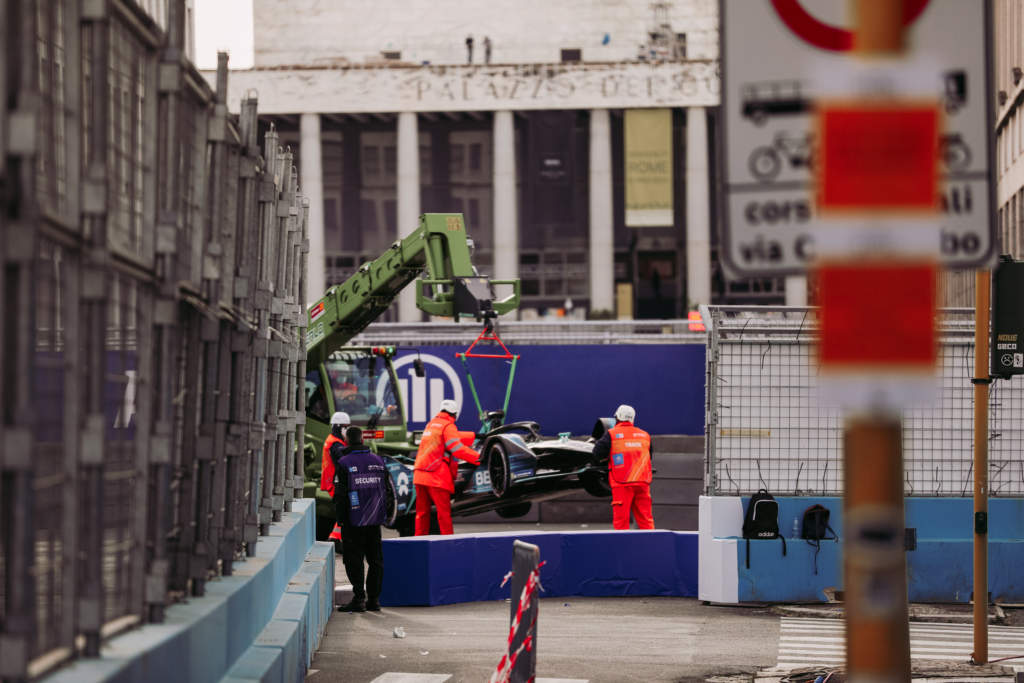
x=362 y=381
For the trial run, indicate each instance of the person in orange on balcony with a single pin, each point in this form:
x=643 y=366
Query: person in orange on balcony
x=339 y=421
x=436 y=466
x=628 y=450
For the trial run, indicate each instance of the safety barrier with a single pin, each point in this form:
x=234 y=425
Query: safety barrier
x=441 y=570
x=939 y=567
x=153 y=251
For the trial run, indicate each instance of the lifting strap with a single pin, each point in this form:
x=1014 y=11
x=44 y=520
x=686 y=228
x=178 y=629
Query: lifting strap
x=489 y=334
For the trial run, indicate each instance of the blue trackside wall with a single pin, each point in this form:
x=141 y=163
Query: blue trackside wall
x=939 y=570
x=565 y=388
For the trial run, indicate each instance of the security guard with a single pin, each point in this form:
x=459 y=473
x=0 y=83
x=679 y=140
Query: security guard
x=436 y=467
x=629 y=469
x=339 y=421
x=362 y=496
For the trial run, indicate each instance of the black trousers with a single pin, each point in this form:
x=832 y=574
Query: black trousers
x=359 y=543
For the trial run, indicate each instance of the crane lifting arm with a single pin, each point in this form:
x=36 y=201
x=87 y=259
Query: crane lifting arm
x=438 y=250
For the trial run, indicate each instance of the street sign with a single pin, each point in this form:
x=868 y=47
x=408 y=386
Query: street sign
x=777 y=58
x=1007 y=348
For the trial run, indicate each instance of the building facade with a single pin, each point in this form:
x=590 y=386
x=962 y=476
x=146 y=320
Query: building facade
x=530 y=118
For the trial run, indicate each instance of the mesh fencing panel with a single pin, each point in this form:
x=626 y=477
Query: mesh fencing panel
x=769 y=427
x=132 y=325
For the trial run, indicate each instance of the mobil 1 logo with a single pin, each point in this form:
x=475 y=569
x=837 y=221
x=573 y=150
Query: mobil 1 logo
x=777 y=56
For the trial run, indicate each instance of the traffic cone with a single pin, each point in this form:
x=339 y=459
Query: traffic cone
x=335 y=537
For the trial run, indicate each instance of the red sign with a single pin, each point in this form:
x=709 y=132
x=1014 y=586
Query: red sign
x=828 y=37
x=878 y=314
x=878 y=157
x=316 y=311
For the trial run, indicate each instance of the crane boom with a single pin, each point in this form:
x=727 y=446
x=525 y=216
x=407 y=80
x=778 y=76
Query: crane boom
x=439 y=250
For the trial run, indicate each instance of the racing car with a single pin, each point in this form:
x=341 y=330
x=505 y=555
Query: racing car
x=517 y=467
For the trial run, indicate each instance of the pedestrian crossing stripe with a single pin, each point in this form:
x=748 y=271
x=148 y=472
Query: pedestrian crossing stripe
x=813 y=642
x=398 y=677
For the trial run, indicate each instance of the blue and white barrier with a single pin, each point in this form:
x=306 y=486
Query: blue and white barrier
x=261 y=623
x=939 y=570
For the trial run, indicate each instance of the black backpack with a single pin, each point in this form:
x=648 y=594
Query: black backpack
x=762 y=520
x=814 y=528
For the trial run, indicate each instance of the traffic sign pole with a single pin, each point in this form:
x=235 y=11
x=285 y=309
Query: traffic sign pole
x=982 y=291
x=874 y=561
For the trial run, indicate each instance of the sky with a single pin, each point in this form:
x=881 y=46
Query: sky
x=223 y=25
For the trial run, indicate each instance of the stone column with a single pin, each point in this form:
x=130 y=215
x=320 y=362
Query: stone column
x=311 y=183
x=602 y=236
x=698 y=210
x=408 y=200
x=506 y=214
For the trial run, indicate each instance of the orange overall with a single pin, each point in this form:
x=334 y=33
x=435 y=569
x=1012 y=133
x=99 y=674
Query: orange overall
x=327 y=478
x=629 y=474
x=435 y=469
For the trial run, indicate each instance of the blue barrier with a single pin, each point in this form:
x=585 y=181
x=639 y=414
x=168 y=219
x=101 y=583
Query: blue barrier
x=940 y=569
x=439 y=570
x=566 y=388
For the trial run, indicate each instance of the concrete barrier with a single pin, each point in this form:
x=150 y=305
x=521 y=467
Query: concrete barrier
x=439 y=570
x=261 y=623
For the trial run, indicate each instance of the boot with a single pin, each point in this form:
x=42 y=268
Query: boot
x=372 y=605
x=353 y=605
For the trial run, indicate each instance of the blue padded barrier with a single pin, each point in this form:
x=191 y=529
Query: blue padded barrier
x=940 y=569
x=439 y=570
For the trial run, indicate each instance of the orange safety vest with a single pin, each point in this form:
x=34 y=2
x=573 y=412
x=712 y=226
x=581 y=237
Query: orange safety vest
x=327 y=465
x=630 y=459
x=440 y=445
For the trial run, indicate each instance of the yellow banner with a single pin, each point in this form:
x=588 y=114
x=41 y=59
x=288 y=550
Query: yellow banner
x=648 y=153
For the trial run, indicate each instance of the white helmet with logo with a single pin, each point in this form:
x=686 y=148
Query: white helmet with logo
x=340 y=418
x=625 y=413
x=450 y=406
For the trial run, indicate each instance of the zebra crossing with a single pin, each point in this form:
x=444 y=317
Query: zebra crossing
x=397 y=677
x=805 y=642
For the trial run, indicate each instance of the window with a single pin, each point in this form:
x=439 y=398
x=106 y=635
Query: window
x=572 y=54
x=393 y=55
x=316 y=396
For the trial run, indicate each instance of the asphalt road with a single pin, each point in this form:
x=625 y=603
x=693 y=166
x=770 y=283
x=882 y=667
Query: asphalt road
x=593 y=639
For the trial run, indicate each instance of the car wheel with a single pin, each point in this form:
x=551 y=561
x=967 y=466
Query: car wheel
x=596 y=484
x=498 y=468
x=513 y=511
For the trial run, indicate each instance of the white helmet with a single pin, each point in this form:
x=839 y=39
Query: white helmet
x=450 y=406
x=340 y=418
x=625 y=413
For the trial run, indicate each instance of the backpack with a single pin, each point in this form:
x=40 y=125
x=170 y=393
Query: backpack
x=762 y=520
x=814 y=528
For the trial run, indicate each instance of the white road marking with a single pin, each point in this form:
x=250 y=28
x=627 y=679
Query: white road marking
x=395 y=677
x=810 y=642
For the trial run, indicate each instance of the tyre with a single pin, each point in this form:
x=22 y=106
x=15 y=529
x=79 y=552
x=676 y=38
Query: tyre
x=498 y=468
x=513 y=511
x=596 y=485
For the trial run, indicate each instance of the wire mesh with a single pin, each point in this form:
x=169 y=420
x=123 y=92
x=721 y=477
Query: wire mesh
x=50 y=476
x=769 y=427
x=128 y=129
x=51 y=164
x=125 y=359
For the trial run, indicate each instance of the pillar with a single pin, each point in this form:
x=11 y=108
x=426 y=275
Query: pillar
x=311 y=183
x=506 y=214
x=698 y=209
x=602 y=237
x=408 y=200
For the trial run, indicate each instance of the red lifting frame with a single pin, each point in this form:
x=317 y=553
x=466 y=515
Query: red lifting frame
x=488 y=334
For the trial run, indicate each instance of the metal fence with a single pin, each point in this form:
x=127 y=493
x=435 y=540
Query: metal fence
x=152 y=261
x=768 y=427
x=531 y=332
